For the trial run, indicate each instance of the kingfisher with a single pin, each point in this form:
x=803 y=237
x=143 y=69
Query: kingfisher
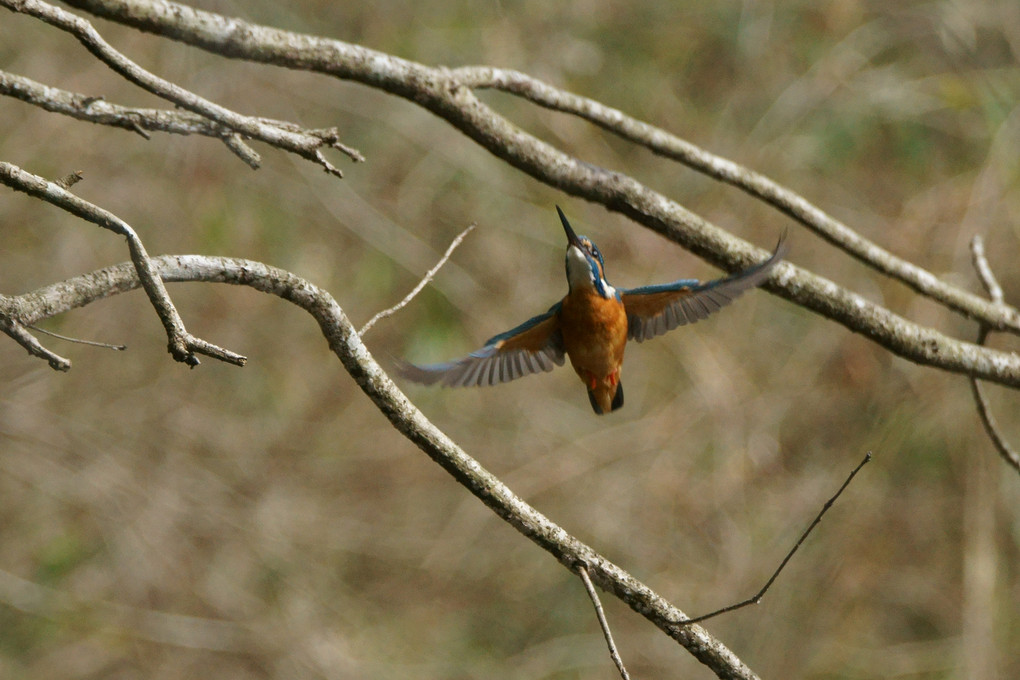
x=591 y=326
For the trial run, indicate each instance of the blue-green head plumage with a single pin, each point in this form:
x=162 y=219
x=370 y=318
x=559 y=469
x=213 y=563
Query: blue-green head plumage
x=585 y=265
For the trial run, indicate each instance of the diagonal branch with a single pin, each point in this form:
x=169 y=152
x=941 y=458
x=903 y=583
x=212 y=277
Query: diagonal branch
x=757 y=597
x=429 y=275
x=440 y=91
x=614 y=653
x=344 y=341
x=668 y=145
x=141 y=121
x=182 y=345
x=307 y=144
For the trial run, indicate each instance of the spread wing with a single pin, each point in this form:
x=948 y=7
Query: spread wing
x=534 y=346
x=654 y=310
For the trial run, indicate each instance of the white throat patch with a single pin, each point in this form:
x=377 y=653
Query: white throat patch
x=580 y=274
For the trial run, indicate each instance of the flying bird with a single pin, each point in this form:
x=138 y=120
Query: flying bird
x=591 y=326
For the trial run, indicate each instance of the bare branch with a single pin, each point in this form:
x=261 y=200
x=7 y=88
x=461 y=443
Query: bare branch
x=449 y=94
x=756 y=184
x=991 y=284
x=440 y=91
x=68 y=181
x=182 y=345
x=757 y=597
x=421 y=284
x=406 y=418
x=20 y=334
x=1007 y=452
x=236 y=144
x=613 y=652
x=98 y=110
x=984 y=270
x=305 y=144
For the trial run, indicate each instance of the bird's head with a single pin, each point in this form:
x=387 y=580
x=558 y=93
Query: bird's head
x=585 y=266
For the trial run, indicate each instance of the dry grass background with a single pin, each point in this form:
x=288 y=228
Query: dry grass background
x=276 y=499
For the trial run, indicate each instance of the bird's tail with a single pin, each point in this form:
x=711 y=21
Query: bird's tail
x=605 y=398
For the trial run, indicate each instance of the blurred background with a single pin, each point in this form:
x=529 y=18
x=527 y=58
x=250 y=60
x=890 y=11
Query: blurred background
x=159 y=522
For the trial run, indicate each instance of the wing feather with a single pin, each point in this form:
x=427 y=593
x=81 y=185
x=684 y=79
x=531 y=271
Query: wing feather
x=533 y=347
x=654 y=310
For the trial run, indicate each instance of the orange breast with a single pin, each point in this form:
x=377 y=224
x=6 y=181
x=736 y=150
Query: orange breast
x=594 y=335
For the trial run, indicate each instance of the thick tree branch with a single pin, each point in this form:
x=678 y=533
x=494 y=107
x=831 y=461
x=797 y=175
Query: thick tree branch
x=994 y=313
x=182 y=345
x=347 y=345
x=440 y=91
x=307 y=144
x=449 y=95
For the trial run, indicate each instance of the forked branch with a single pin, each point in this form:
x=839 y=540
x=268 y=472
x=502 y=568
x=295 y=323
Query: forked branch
x=305 y=143
x=991 y=284
x=183 y=346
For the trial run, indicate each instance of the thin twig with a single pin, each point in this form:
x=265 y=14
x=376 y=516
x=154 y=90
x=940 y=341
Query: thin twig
x=1006 y=452
x=79 y=341
x=307 y=144
x=421 y=284
x=69 y=180
x=613 y=652
x=991 y=284
x=984 y=270
x=183 y=346
x=761 y=593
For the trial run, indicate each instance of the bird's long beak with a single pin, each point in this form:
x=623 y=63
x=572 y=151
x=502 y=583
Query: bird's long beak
x=571 y=236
